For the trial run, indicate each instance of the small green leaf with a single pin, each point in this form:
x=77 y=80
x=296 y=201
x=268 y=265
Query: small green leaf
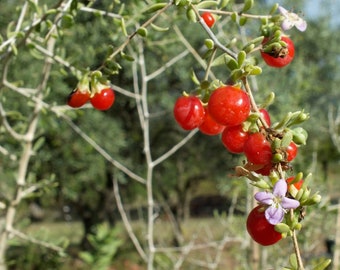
x=127 y=57
x=224 y=3
x=231 y=62
x=67 y=21
x=194 y=78
x=268 y=100
x=123 y=27
x=209 y=43
x=255 y=70
x=241 y=57
x=248 y=4
x=142 y=31
x=155 y=7
x=207 y=4
x=243 y=21
x=323 y=265
x=159 y=28
x=293 y=261
x=274 y=8
x=191 y=15
x=282 y=228
x=287 y=139
x=234 y=17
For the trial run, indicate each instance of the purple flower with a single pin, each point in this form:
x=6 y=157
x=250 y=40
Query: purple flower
x=277 y=202
x=292 y=19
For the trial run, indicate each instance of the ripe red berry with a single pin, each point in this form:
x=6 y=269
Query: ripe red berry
x=265 y=116
x=189 y=112
x=209 y=125
x=291 y=151
x=208 y=19
x=257 y=149
x=297 y=185
x=280 y=57
x=260 y=230
x=103 y=99
x=78 y=98
x=229 y=106
x=234 y=138
x=265 y=170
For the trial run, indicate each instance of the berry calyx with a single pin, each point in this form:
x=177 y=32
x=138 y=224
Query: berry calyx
x=279 y=56
x=260 y=230
x=208 y=18
x=210 y=126
x=189 y=112
x=229 y=106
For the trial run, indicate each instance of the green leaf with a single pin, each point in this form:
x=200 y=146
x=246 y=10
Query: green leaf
x=194 y=78
x=123 y=27
x=159 y=28
x=287 y=139
x=207 y=4
x=67 y=21
x=209 y=43
x=224 y=3
x=142 y=31
x=323 y=265
x=243 y=21
x=155 y=7
x=218 y=61
x=293 y=261
x=231 y=62
x=248 y=4
x=282 y=228
x=191 y=15
x=241 y=57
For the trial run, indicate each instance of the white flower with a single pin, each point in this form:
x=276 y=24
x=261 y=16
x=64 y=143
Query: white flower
x=292 y=19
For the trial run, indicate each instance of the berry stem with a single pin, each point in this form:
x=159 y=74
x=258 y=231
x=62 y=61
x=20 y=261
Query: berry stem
x=296 y=246
x=253 y=102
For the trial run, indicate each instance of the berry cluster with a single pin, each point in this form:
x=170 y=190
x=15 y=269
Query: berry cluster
x=245 y=128
x=98 y=92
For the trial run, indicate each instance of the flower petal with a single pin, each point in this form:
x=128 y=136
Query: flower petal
x=264 y=197
x=288 y=203
x=274 y=215
x=286 y=25
x=280 y=188
x=301 y=25
x=283 y=11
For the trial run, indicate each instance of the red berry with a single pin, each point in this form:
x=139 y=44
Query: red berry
x=260 y=230
x=291 y=151
x=229 y=106
x=279 y=58
x=257 y=149
x=189 y=112
x=297 y=185
x=265 y=170
x=209 y=125
x=208 y=18
x=265 y=116
x=78 y=98
x=234 y=138
x=103 y=99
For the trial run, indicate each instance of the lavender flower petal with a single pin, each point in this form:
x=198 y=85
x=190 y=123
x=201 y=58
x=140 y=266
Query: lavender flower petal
x=280 y=188
x=264 y=197
x=288 y=203
x=274 y=215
